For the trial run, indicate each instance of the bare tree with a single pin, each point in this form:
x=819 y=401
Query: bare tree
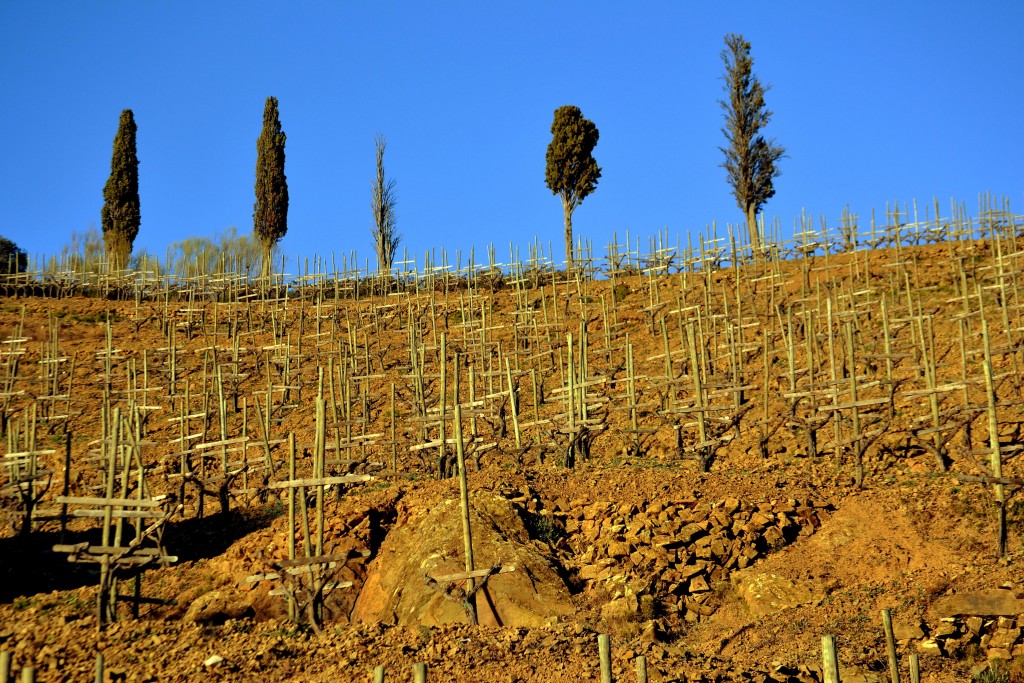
x=385 y=231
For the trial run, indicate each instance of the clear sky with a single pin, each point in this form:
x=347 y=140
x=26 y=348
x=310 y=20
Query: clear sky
x=874 y=101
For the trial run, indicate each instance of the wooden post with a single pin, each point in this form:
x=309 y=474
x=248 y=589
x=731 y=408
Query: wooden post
x=641 y=669
x=112 y=446
x=698 y=394
x=66 y=490
x=512 y=405
x=5 y=666
x=292 y=607
x=419 y=672
x=890 y=646
x=394 y=441
x=28 y=674
x=99 y=668
x=378 y=674
x=996 y=461
x=319 y=470
x=467 y=532
x=858 y=444
x=829 y=662
x=915 y=670
x=604 y=648
x=442 y=359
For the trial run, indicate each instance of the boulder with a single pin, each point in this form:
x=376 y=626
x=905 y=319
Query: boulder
x=767 y=593
x=429 y=542
x=625 y=607
x=216 y=607
x=907 y=631
x=983 y=603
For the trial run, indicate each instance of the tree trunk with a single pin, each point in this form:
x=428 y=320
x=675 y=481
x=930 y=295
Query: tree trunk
x=567 y=207
x=118 y=252
x=755 y=237
x=266 y=267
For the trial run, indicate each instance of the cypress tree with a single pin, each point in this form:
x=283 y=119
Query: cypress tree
x=270 y=213
x=121 y=214
x=572 y=173
x=750 y=159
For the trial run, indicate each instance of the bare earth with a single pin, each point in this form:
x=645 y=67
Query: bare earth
x=729 y=575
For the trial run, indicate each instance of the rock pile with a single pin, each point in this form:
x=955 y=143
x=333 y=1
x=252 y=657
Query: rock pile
x=991 y=621
x=674 y=552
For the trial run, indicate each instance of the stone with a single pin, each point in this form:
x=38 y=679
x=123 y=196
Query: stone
x=857 y=676
x=974 y=625
x=767 y=593
x=1005 y=638
x=901 y=631
x=699 y=584
x=651 y=632
x=625 y=607
x=730 y=505
x=986 y=603
x=216 y=607
x=929 y=646
x=691 y=532
x=774 y=538
x=618 y=549
x=759 y=520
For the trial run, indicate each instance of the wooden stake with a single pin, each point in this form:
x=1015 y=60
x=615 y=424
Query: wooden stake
x=996 y=460
x=604 y=648
x=890 y=646
x=467 y=532
x=641 y=669
x=513 y=406
x=829 y=662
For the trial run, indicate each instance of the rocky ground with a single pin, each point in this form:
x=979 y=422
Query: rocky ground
x=729 y=575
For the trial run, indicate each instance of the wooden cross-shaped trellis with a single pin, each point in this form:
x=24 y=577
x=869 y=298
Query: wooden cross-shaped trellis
x=116 y=555
x=305 y=580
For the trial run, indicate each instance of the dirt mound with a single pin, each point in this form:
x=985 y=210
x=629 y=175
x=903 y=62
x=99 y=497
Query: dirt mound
x=868 y=541
x=428 y=541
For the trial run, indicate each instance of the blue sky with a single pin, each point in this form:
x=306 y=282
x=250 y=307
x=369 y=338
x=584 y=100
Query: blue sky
x=874 y=101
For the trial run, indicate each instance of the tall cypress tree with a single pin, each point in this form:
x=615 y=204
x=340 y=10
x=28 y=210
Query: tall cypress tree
x=121 y=214
x=270 y=213
x=750 y=159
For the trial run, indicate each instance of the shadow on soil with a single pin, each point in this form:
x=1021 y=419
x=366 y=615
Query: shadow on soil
x=29 y=566
x=203 y=538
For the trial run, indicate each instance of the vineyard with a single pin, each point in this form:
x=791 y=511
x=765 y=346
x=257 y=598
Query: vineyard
x=713 y=456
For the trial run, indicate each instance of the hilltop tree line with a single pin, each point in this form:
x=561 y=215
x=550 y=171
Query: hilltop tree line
x=571 y=173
